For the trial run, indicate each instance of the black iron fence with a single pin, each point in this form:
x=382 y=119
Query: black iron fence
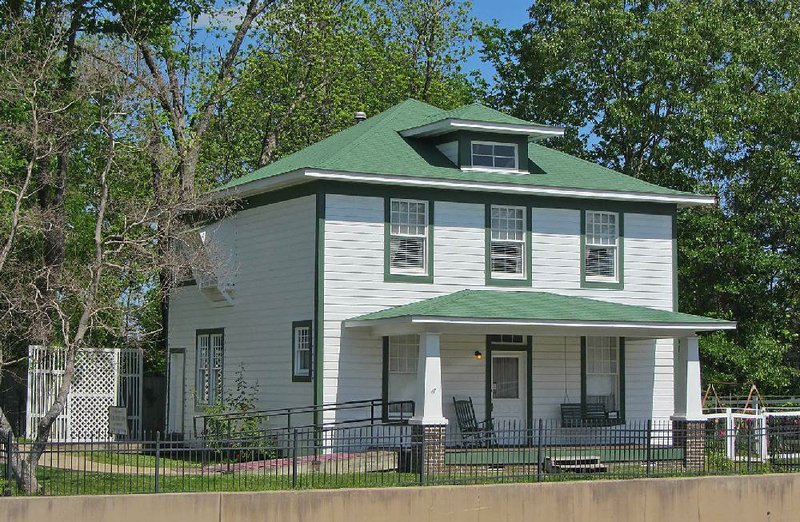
x=401 y=455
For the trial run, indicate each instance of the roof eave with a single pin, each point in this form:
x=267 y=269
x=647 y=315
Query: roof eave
x=682 y=200
x=452 y=124
x=304 y=175
x=467 y=324
x=259 y=186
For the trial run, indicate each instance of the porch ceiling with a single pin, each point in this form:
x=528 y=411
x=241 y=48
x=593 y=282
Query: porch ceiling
x=527 y=312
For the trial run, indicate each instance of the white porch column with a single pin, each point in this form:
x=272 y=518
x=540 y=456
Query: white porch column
x=687 y=390
x=428 y=399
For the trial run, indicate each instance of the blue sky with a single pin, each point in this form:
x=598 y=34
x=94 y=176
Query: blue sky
x=508 y=13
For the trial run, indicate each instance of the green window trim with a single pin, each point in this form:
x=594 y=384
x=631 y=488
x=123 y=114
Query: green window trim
x=385 y=379
x=621 y=369
x=388 y=276
x=318 y=368
x=508 y=282
x=198 y=403
x=300 y=377
x=619 y=284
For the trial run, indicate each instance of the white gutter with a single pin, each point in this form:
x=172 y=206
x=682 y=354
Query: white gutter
x=452 y=124
x=381 y=179
x=305 y=175
x=433 y=320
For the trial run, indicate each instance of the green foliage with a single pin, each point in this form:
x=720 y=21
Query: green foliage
x=231 y=423
x=758 y=359
x=693 y=95
x=317 y=62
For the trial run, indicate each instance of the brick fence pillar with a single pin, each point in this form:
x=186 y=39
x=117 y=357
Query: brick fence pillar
x=691 y=437
x=428 y=448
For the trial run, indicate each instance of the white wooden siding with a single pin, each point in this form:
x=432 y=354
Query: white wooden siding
x=275 y=249
x=556 y=374
x=647 y=264
x=354 y=285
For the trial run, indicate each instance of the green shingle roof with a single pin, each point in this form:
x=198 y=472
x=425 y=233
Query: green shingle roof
x=476 y=112
x=536 y=306
x=375 y=146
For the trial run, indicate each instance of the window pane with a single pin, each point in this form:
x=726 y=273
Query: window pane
x=482 y=148
x=507 y=258
x=408 y=253
x=216 y=365
x=302 y=351
x=203 y=374
x=504 y=150
x=505 y=163
x=600 y=261
x=403 y=353
x=505 y=377
x=482 y=161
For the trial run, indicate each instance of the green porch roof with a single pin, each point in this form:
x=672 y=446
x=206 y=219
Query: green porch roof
x=539 y=308
x=375 y=147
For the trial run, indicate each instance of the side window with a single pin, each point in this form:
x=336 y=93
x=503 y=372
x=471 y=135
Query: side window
x=602 y=247
x=408 y=237
x=210 y=354
x=301 y=351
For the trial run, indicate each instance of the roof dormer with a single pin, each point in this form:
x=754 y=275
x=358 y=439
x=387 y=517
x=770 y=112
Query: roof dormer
x=477 y=138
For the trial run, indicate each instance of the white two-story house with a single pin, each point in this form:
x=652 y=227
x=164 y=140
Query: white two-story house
x=425 y=254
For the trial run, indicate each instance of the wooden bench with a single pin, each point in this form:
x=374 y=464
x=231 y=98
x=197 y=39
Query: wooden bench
x=593 y=414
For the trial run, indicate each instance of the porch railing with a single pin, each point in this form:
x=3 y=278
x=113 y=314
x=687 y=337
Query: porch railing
x=351 y=413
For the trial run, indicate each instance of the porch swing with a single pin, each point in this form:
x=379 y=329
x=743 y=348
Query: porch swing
x=580 y=415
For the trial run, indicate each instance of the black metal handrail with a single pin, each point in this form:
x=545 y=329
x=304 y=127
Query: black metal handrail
x=377 y=414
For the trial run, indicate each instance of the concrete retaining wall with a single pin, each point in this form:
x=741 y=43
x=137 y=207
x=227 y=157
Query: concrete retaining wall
x=773 y=498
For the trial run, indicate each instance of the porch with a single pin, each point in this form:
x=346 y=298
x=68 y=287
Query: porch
x=519 y=356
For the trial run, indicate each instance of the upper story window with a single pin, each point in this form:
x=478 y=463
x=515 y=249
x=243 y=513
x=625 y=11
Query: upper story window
x=508 y=242
x=408 y=243
x=602 y=246
x=494 y=155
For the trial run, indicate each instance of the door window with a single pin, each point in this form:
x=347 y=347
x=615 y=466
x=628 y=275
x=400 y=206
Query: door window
x=505 y=377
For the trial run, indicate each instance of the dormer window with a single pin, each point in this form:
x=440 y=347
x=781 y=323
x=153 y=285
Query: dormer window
x=494 y=155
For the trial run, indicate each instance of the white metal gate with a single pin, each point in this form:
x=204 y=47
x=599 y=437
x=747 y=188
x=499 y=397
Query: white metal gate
x=103 y=377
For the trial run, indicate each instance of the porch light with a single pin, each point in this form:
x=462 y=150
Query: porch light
x=478 y=355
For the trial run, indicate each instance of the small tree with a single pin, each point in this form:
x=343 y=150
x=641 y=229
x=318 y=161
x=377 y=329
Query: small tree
x=232 y=422
x=114 y=224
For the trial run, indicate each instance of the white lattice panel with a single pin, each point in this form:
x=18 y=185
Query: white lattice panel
x=103 y=377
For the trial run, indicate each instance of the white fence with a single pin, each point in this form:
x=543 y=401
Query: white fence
x=753 y=426
x=103 y=377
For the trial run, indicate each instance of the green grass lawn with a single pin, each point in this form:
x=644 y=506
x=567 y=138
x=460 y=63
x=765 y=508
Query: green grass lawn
x=67 y=482
x=140 y=460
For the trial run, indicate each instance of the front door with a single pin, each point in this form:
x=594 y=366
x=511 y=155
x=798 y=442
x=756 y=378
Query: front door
x=509 y=395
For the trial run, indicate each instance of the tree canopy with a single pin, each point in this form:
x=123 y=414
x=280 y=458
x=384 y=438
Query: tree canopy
x=694 y=95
